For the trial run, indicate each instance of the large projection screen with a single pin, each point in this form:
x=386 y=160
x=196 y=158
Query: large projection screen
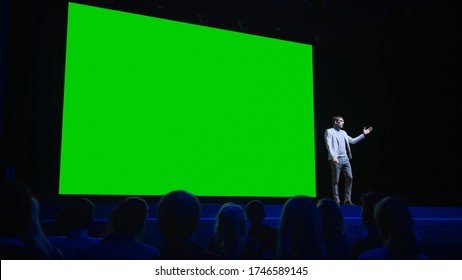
x=152 y=105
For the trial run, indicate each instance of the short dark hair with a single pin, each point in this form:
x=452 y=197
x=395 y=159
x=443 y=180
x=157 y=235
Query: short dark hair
x=336 y=118
x=255 y=211
x=129 y=216
x=178 y=214
x=77 y=213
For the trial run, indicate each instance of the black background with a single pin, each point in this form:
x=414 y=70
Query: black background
x=394 y=65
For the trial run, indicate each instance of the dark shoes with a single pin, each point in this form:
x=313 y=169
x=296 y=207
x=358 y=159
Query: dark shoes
x=348 y=203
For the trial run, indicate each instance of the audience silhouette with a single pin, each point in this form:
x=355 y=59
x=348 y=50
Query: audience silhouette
x=371 y=240
x=333 y=230
x=123 y=243
x=74 y=219
x=230 y=235
x=22 y=236
x=307 y=230
x=396 y=230
x=37 y=238
x=300 y=230
x=265 y=234
x=178 y=214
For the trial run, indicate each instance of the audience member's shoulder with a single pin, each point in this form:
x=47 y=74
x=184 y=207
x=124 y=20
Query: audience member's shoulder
x=112 y=247
x=423 y=257
x=188 y=251
x=364 y=244
x=269 y=228
x=381 y=253
x=208 y=255
x=13 y=249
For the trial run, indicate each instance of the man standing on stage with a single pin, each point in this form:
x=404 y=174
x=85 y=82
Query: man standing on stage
x=339 y=155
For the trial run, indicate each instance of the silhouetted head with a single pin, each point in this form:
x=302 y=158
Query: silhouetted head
x=178 y=214
x=78 y=213
x=300 y=230
x=230 y=230
x=16 y=207
x=332 y=218
x=392 y=215
x=255 y=211
x=129 y=216
x=396 y=228
x=369 y=201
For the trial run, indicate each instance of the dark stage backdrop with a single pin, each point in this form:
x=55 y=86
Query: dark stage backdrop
x=391 y=65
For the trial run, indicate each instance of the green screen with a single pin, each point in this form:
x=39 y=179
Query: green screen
x=152 y=105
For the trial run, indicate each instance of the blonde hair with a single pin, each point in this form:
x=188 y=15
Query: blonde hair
x=230 y=230
x=300 y=231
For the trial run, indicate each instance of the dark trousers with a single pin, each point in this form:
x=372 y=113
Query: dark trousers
x=343 y=166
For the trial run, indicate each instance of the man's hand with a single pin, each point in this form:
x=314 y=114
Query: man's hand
x=367 y=131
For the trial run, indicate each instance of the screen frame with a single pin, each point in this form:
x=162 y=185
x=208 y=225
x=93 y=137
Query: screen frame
x=163 y=13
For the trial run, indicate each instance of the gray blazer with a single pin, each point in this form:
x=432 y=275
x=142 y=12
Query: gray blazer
x=332 y=142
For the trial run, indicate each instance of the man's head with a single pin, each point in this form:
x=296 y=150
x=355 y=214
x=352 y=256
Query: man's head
x=338 y=121
x=78 y=213
x=129 y=216
x=255 y=211
x=178 y=214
